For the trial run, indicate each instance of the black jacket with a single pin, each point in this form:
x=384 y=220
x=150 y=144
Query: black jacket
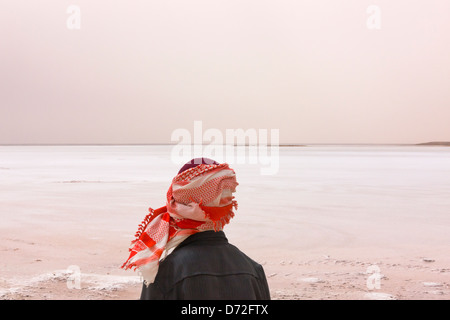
x=206 y=266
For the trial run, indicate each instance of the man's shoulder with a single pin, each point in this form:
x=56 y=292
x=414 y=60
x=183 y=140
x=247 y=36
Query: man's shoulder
x=202 y=255
x=205 y=260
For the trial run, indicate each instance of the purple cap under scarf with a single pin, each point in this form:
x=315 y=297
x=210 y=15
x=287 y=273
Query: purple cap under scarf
x=195 y=162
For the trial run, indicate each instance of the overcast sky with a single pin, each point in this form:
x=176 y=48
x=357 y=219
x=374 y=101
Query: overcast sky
x=137 y=70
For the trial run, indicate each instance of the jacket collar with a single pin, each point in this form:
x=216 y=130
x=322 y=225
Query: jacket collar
x=209 y=237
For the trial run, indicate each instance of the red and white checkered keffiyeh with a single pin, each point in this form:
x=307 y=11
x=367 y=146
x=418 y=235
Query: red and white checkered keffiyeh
x=198 y=199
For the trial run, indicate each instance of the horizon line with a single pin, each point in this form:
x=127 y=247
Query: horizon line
x=294 y=144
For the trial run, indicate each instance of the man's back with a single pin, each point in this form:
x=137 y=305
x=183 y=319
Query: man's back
x=206 y=266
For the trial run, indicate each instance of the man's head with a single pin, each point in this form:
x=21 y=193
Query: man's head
x=200 y=198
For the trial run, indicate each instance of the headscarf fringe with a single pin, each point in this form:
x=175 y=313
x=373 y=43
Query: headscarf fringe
x=144 y=223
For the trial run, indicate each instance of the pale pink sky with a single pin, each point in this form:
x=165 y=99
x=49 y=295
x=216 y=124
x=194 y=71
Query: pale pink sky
x=137 y=70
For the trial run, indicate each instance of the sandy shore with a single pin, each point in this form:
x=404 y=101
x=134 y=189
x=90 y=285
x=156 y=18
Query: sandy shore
x=28 y=272
x=326 y=278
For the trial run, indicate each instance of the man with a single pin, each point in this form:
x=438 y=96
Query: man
x=202 y=264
